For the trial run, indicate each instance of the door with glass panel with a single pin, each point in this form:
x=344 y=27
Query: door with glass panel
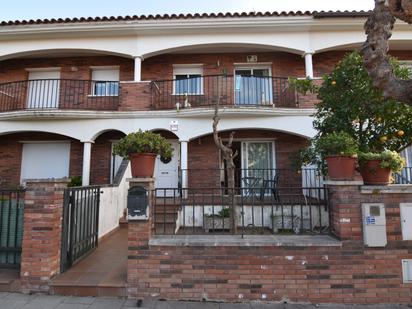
x=253 y=86
x=258 y=161
x=43 y=89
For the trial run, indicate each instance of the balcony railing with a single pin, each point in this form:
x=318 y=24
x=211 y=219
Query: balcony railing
x=266 y=179
x=237 y=91
x=47 y=94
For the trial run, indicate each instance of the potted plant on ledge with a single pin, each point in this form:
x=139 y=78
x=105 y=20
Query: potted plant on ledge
x=339 y=150
x=142 y=148
x=377 y=168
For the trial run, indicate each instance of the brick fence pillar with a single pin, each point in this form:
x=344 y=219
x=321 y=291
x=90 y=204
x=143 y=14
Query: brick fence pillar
x=139 y=234
x=40 y=259
x=346 y=214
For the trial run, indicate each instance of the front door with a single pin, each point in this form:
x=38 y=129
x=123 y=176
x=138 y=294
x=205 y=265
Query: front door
x=43 y=89
x=253 y=86
x=258 y=161
x=166 y=174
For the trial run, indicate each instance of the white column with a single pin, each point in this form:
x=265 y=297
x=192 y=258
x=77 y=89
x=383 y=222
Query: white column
x=87 y=153
x=308 y=65
x=138 y=69
x=184 y=163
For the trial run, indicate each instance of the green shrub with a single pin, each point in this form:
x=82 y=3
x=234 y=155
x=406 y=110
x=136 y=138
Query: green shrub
x=144 y=142
x=390 y=159
x=339 y=143
x=75 y=181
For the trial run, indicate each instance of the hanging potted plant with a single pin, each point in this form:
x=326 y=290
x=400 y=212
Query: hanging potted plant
x=376 y=168
x=339 y=150
x=142 y=148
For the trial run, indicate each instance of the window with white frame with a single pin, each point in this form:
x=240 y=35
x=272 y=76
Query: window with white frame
x=105 y=81
x=188 y=79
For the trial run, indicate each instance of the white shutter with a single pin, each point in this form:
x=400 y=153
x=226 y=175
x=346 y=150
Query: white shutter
x=105 y=74
x=45 y=160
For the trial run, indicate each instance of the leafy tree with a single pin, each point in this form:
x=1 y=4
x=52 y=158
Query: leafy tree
x=349 y=103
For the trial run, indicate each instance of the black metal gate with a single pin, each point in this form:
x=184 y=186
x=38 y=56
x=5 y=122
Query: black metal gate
x=80 y=224
x=11 y=227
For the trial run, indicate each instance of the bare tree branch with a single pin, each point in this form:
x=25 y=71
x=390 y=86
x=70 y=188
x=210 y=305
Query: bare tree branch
x=378 y=29
x=228 y=155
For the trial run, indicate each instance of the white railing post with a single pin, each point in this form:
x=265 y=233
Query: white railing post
x=184 y=164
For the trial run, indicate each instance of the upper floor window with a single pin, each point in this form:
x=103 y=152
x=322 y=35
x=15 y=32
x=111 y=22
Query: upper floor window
x=105 y=81
x=188 y=79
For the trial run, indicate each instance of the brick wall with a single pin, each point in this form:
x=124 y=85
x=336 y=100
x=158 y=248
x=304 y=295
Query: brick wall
x=11 y=150
x=347 y=273
x=71 y=67
x=40 y=259
x=204 y=158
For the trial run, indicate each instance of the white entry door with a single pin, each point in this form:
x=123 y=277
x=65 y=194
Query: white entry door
x=45 y=160
x=43 y=89
x=166 y=174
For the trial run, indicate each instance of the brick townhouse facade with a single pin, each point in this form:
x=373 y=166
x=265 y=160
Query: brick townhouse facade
x=70 y=89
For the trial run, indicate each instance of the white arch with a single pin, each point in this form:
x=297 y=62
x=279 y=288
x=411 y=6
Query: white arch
x=121 y=46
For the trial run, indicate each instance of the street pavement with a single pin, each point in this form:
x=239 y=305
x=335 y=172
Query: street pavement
x=22 y=301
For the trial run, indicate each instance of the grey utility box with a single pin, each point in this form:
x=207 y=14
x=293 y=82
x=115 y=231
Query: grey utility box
x=374 y=224
x=137 y=203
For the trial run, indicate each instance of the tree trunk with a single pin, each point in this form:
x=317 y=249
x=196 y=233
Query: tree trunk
x=378 y=29
x=229 y=156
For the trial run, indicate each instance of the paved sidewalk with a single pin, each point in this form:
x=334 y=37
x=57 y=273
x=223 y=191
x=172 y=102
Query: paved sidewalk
x=21 y=301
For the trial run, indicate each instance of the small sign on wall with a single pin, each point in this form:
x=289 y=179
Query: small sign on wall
x=174 y=125
x=252 y=58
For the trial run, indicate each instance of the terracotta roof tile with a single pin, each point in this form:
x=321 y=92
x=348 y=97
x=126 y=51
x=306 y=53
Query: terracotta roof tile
x=315 y=14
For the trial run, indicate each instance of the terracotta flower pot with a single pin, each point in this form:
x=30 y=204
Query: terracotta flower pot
x=374 y=174
x=142 y=164
x=341 y=167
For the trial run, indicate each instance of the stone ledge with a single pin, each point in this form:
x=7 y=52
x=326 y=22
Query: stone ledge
x=246 y=241
x=141 y=179
x=344 y=182
x=389 y=189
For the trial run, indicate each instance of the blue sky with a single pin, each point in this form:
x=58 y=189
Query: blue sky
x=32 y=9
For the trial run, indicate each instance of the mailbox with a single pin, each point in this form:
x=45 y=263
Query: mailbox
x=137 y=203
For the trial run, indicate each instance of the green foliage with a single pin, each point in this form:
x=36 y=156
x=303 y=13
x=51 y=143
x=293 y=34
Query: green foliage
x=223 y=213
x=350 y=103
x=390 y=159
x=303 y=86
x=75 y=181
x=340 y=143
x=144 y=142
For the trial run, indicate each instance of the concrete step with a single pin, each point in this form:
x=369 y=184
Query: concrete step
x=10 y=280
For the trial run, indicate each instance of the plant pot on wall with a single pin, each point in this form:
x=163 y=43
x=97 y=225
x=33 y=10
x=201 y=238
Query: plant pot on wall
x=373 y=174
x=341 y=167
x=142 y=164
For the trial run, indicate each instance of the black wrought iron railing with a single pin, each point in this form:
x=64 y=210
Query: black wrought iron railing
x=11 y=227
x=232 y=90
x=59 y=94
x=404 y=177
x=80 y=224
x=256 y=211
x=252 y=177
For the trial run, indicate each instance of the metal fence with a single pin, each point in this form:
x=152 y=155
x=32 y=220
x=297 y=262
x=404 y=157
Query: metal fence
x=203 y=91
x=59 y=94
x=404 y=177
x=256 y=211
x=11 y=227
x=254 y=178
x=80 y=223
